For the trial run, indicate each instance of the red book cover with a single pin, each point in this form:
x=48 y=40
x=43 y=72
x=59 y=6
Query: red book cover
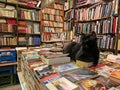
x=50 y=77
x=42 y=23
x=22 y=23
x=31 y=4
x=11 y=21
x=98 y=66
x=114 y=25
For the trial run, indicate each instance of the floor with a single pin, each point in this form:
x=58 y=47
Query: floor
x=13 y=87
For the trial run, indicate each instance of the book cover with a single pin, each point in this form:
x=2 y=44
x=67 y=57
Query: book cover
x=65 y=67
x=79 y=74
x=92 y=85
x=44 y=71
x=115 y=74
x=50 y=78
x=62 y=84
x=104 y=82
x=105 y=70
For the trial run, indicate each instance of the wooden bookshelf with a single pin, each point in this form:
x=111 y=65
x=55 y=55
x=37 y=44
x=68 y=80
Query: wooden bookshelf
x=8 y=64
x=92 y=20
x=9 y=3
x=7 y=33
x=56 y=19
x=87 y=5
x=34 y=22
x=28 y=7
x=29 y=20
x=8 y=46
x=94 y=15
x=52 y=21
x=1 y=17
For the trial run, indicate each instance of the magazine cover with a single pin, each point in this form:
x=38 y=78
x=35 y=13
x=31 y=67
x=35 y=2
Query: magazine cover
x=79 y=74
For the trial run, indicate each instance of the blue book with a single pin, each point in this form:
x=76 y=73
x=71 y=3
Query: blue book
x=36 y=40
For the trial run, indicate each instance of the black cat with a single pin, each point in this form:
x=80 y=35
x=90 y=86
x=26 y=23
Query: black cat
x=86 y=50
x=68 y=49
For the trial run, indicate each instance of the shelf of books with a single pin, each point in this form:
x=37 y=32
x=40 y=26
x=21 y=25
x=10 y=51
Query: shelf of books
x=19 y=23
x=28 y=25
x=53 y=23
x=100 y=17
x=8 y=24
x=46 y=70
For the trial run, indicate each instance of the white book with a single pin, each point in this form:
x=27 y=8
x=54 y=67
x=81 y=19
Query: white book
x=52 y=61
x=116 y=6
x=38 y=4
x=62 y=84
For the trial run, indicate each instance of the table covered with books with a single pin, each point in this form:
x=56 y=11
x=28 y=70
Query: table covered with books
x=41 y=73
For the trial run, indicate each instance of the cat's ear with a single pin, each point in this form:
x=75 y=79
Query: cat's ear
x=93 y=33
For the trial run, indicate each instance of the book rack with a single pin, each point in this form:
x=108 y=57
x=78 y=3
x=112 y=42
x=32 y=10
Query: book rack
x=22 y=24
x=96 y=16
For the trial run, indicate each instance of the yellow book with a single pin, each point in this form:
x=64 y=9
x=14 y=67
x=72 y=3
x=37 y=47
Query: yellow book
x=119 y=44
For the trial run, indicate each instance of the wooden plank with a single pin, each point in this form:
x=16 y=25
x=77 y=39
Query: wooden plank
x=22 y=81
x=8 y=64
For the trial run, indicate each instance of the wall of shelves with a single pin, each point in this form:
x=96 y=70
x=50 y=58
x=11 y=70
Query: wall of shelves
x=98 y=16
x=27 y=21
x=53 y=23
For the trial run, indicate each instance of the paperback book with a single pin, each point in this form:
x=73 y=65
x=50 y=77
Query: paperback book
x=65 y=67
x=79 y=75
x=57 y=82
x=44 y=71
x=98 y=83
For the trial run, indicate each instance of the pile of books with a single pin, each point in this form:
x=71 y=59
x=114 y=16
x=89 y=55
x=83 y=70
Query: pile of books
x=69 y=75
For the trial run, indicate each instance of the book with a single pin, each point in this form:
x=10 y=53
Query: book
x=105 y=70
x=98 y=83
x=115 y=74
x=50 y=78
x=57 y=82
x=113 y=58
x=55 y=60
x=62 y=84
x=118 y=44
x=38 y=4
x=34 y=63
x=80 y=74
x=92 y=85
x=63 y=68
x=113 y=88
x=44 y=71
x=83 y=64
x=55 y=55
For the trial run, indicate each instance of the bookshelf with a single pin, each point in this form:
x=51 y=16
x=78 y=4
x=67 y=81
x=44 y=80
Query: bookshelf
x=69 y=18
x=118 y=36
x=101 y=17
x=52 y=23
x=9 y=64
x=8 y=24
x=19 y=27
x=22 y=18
